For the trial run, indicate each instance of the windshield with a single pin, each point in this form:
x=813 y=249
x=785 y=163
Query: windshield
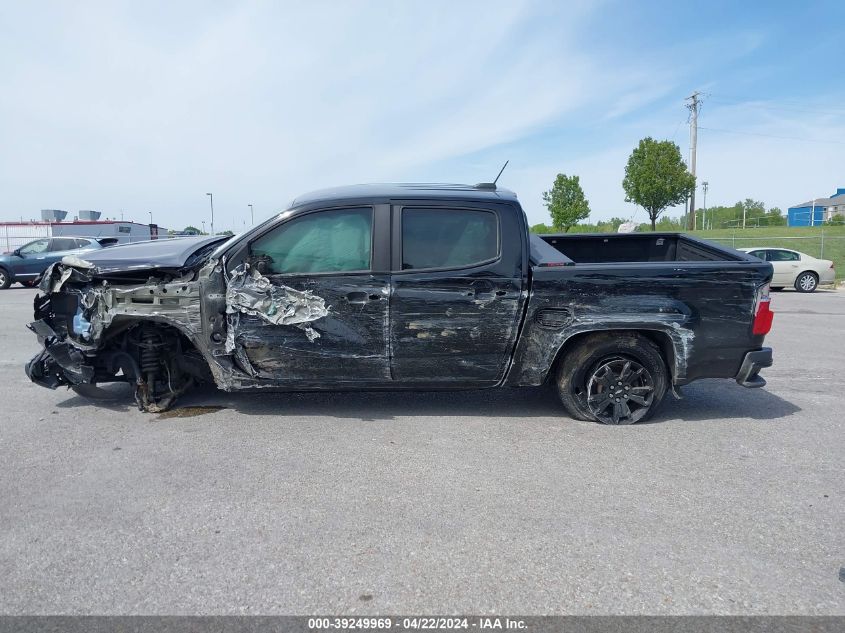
x=225 y=246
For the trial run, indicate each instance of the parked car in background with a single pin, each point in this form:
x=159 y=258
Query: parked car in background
x=793 y=268
x=24 y=265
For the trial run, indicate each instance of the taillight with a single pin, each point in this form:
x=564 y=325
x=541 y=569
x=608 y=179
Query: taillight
x=763 y=314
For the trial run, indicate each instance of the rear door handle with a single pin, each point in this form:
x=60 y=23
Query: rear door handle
x=360 y=297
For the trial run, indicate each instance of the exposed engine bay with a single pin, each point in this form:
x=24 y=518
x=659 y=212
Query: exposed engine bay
x=162 y=330
x=108 y=330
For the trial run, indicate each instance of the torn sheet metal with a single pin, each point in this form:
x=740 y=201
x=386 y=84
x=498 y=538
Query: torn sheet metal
x=58 y=273
x=249 y=292
x=76 y=262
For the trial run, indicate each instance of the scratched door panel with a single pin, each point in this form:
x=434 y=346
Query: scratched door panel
x=452 y=329
x=352 y=342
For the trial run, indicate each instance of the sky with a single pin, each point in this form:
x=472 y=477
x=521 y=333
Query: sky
x=138 y=109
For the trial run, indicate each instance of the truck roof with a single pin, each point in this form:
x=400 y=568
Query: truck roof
x=392 y=191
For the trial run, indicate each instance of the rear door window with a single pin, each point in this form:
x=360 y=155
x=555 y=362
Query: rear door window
x=783 y=256
x=758 y=254
x=62 y=244
x=435 y=238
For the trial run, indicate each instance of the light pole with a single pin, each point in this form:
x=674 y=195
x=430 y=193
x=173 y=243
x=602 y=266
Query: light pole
x=151 y=216
x=211 y=200
x=251 y=215
x=203 y=227
x=704 y=186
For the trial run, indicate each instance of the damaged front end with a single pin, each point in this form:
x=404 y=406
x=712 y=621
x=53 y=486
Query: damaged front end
x=160 y=330
x=98 y=328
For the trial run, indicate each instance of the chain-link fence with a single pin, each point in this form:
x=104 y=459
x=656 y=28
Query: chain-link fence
x=15 y=236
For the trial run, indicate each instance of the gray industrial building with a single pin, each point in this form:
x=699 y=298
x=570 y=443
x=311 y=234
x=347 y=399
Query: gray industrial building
x=85 y=224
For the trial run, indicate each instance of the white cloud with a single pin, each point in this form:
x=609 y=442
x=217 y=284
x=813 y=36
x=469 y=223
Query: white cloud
x=143 y=106
x=118 y=107
x=746 y=162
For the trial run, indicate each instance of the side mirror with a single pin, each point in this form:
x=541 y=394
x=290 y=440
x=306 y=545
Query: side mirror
x=17 y=252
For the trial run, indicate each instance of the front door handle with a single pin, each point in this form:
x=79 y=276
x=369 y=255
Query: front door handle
x=483 y=290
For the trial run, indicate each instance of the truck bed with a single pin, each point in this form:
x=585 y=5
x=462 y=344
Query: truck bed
x=695 y=298
x=634 y=247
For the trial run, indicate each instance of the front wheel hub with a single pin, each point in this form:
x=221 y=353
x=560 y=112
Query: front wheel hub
x=807 y=282
x=620 y=391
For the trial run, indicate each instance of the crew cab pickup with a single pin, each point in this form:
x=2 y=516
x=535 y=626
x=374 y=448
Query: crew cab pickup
x=407 y=287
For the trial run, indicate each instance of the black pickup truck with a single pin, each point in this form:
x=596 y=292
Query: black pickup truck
x=407 y=287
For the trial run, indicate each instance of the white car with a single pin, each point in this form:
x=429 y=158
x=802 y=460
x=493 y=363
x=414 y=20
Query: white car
x=792 y=268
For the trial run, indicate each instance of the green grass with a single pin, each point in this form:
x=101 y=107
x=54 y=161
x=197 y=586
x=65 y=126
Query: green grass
x=824 y=242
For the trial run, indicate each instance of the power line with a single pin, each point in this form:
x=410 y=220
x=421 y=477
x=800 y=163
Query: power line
x=775 y=106
x=677 y=127
x=785 y=138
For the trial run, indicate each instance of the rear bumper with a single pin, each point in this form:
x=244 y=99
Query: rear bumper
x=749 y=371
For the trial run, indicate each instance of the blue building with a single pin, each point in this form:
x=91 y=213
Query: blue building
x=821 y=210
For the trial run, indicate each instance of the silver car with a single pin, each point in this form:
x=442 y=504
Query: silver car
x=793 y=268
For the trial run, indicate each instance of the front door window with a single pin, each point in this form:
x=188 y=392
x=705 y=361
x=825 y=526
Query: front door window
x=34 y=248
x=334 y=241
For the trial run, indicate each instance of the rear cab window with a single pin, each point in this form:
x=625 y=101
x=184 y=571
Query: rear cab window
x=446 y=238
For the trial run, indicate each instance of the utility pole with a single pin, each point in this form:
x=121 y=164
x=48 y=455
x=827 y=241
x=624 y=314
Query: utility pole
x=251 y=215
x=704 y=186
x=211 y=198
x=694 y=105
x=813 y=214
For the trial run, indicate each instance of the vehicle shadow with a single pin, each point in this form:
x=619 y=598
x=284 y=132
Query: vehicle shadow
x=706 y=400
x=722 y=399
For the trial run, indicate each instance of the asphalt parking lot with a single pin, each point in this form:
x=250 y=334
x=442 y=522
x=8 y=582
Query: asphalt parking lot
x=729 y=502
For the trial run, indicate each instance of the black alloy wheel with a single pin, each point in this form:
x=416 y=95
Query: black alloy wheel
x=620 y=391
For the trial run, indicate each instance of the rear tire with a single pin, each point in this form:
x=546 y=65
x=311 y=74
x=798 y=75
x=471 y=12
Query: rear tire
x=807 y=282
x=5 y=279
x=613 y=378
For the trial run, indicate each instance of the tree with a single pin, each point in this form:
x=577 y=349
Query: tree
x=566 y=202
x=656 y=177
x=774 y=217
x=191 y=230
